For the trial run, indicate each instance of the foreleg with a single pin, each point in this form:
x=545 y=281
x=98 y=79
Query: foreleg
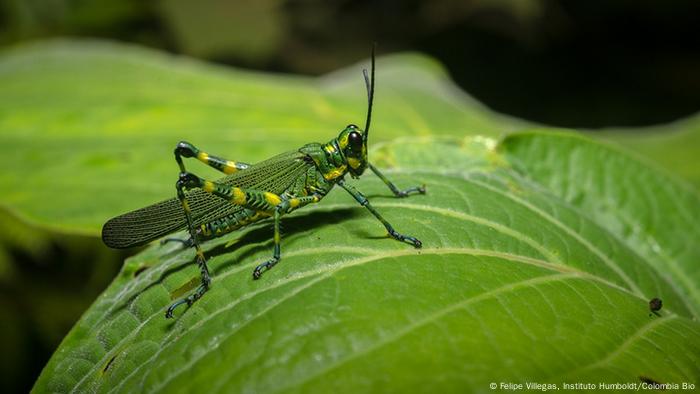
x=393 y=188
x=359 y=197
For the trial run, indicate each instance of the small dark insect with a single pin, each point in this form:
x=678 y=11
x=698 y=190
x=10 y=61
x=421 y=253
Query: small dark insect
x=253 y=192
x=651 y=382
x=655 y=306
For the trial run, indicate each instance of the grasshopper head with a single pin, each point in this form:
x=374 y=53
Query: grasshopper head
x=354 y=148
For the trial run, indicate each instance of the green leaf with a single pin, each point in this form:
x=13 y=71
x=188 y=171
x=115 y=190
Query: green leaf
x=540 y=252
x=522 y=278
x=673 y=146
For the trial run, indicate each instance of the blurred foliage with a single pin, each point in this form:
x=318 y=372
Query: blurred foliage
x=559 y=62
x=27 y=19
x=47 y=281
x=250 y=29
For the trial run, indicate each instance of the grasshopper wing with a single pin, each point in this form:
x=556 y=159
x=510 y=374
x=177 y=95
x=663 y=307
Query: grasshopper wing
x=141 y=226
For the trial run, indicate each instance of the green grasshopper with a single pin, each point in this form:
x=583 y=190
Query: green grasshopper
x=250 y=193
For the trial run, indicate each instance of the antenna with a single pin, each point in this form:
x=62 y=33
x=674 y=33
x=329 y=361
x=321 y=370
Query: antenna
x=369 y=84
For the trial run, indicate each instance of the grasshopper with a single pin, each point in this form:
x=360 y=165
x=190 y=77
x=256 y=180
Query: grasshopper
x=250 y=193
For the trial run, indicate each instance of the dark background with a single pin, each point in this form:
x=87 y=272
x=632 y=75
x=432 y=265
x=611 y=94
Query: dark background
x=560 y=62
x=568 y=63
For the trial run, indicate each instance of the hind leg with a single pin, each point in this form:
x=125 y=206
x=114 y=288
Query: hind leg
x=185 y=149
x=181 y=185
x=251 y=199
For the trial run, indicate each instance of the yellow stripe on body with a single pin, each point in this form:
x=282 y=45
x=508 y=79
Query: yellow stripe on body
x=238 y=196
x=208 y=186
x=272 y=199
x=343 y=141
x=203 y=157
x=329 y=148
x=354 y=163
x=230 y=167
x=334 y=173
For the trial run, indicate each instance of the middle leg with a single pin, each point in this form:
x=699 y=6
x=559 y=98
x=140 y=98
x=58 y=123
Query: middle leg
x=359 y=197
x=284 y=207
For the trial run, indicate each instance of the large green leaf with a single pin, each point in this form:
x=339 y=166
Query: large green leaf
x=541 y=251
x=517 y=281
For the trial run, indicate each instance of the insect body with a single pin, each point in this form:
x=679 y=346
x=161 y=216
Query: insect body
x=655 y=305
x=250 y=193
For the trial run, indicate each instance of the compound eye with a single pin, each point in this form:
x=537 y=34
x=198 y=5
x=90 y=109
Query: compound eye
x=355 y=141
